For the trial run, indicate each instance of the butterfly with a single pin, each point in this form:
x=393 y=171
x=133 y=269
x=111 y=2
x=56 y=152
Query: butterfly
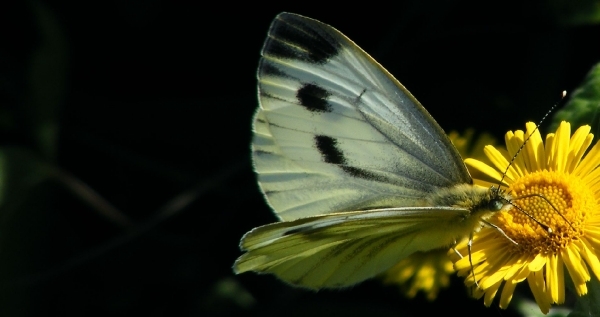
x=357 y=171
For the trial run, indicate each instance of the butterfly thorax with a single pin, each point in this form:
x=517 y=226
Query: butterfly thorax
x=481 y=202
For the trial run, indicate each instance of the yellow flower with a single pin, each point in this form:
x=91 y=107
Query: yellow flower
x=422 y=271
x=556 y=220
x=430 y=271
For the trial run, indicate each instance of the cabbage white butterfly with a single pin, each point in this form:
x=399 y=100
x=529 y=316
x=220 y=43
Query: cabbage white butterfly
x=358 y=172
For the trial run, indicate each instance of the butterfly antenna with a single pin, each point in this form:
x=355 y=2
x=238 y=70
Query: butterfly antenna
x=564 y=94
x=546 y=228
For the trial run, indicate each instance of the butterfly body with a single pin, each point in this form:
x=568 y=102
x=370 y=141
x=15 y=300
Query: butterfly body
x=358 y=172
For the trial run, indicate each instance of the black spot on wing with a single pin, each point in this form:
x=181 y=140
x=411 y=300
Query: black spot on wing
x=361 y=173
x=327 y=146
x=368 y=175
x=296 y=37
x=332 y=154
x=313 y=98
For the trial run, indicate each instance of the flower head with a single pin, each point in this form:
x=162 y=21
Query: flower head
x=555 y=220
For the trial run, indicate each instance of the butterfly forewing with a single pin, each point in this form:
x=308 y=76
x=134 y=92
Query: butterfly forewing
x=336 y=132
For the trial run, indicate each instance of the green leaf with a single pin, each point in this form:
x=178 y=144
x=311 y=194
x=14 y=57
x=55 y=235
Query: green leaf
x=589 y=304
x=583 y=106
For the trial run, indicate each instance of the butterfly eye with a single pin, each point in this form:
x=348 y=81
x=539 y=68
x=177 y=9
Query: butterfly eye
x=495 y=205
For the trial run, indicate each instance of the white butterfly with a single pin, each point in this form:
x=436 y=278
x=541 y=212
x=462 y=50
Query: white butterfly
x=356 y=169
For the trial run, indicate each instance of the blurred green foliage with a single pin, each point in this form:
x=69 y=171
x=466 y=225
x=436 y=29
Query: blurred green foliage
x=583 y=105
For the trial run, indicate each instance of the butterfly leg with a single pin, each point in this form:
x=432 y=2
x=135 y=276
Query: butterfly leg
x=499 y=230
x=469 y=245
x=456 y=251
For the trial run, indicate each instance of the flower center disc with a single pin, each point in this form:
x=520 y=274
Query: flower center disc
x=552 y=208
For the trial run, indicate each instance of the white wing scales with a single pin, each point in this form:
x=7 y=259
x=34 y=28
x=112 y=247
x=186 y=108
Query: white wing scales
x=301 y=188
x=336 y=132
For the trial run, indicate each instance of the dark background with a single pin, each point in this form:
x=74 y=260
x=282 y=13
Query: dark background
x=125 y=180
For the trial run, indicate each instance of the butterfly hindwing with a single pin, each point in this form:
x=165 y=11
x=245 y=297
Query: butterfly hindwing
x=336 y=132
x=342 y=249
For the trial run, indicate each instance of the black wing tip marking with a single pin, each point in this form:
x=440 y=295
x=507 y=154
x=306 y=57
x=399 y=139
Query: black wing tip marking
x=293 y=36
x=313 y=98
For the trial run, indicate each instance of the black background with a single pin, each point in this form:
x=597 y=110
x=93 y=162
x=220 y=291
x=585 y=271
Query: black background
x=152 y=101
